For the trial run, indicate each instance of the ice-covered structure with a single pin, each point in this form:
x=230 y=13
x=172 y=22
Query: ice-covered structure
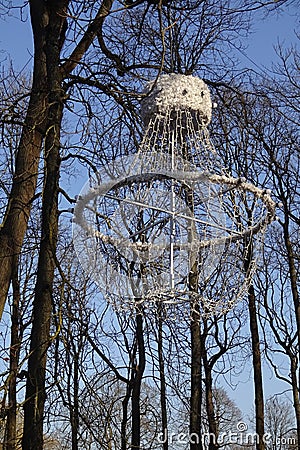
x=166 y=225
x=174 y=92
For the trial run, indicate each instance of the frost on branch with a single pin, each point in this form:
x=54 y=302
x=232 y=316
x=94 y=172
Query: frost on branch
x=176 y=92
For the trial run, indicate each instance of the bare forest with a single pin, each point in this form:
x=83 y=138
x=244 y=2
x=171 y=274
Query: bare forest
x=77 y=372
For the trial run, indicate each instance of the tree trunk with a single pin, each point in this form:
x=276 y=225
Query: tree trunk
x=125 y=404
x=210 y=409
x=258 y=381
x=196 y=382
x=48 y=20
x=196 y=369
x=10 y=442
x=74 y=413
x=295 y=295
x=256 y=355
x=295 y=390
x=137 y=382
x=163 y=403
x=42 y=307
x=284 y=197
x=24 y=182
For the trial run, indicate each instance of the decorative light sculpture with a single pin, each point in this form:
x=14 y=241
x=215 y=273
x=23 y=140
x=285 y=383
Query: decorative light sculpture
x=167 y=225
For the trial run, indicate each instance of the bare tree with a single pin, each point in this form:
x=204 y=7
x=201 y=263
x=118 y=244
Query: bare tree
x=280 y=423
x=90 y=62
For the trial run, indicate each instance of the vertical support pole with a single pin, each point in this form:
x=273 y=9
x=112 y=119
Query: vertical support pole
x=173 y=212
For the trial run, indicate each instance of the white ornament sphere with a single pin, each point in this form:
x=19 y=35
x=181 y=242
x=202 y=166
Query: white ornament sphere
x=176 y=93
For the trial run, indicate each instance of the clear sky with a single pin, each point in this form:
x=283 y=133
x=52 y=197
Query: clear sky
x=15 y=41
x=16 y=38
x=270 y=32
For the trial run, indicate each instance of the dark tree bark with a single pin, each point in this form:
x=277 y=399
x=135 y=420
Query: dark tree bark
x=138 y=371
x=74 y=413
x=10 y=442
x=286 y=192
x=295 y=295
x=42 y=307
x=210 y=409
x=163 y=394
x=196 y=382
x=125 y=404
x=257 y=370
x=256 y=356
x=196 y=369
x=49 y=26
x=18 y=209
x=48 y=33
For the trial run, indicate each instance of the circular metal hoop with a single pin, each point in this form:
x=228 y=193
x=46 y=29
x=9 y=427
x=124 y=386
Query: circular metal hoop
x=186 y=178
x=133 y=272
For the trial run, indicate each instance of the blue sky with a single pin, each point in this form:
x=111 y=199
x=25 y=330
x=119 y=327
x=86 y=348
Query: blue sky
x=270 y=32
x=16 y=38
x=15 y=41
